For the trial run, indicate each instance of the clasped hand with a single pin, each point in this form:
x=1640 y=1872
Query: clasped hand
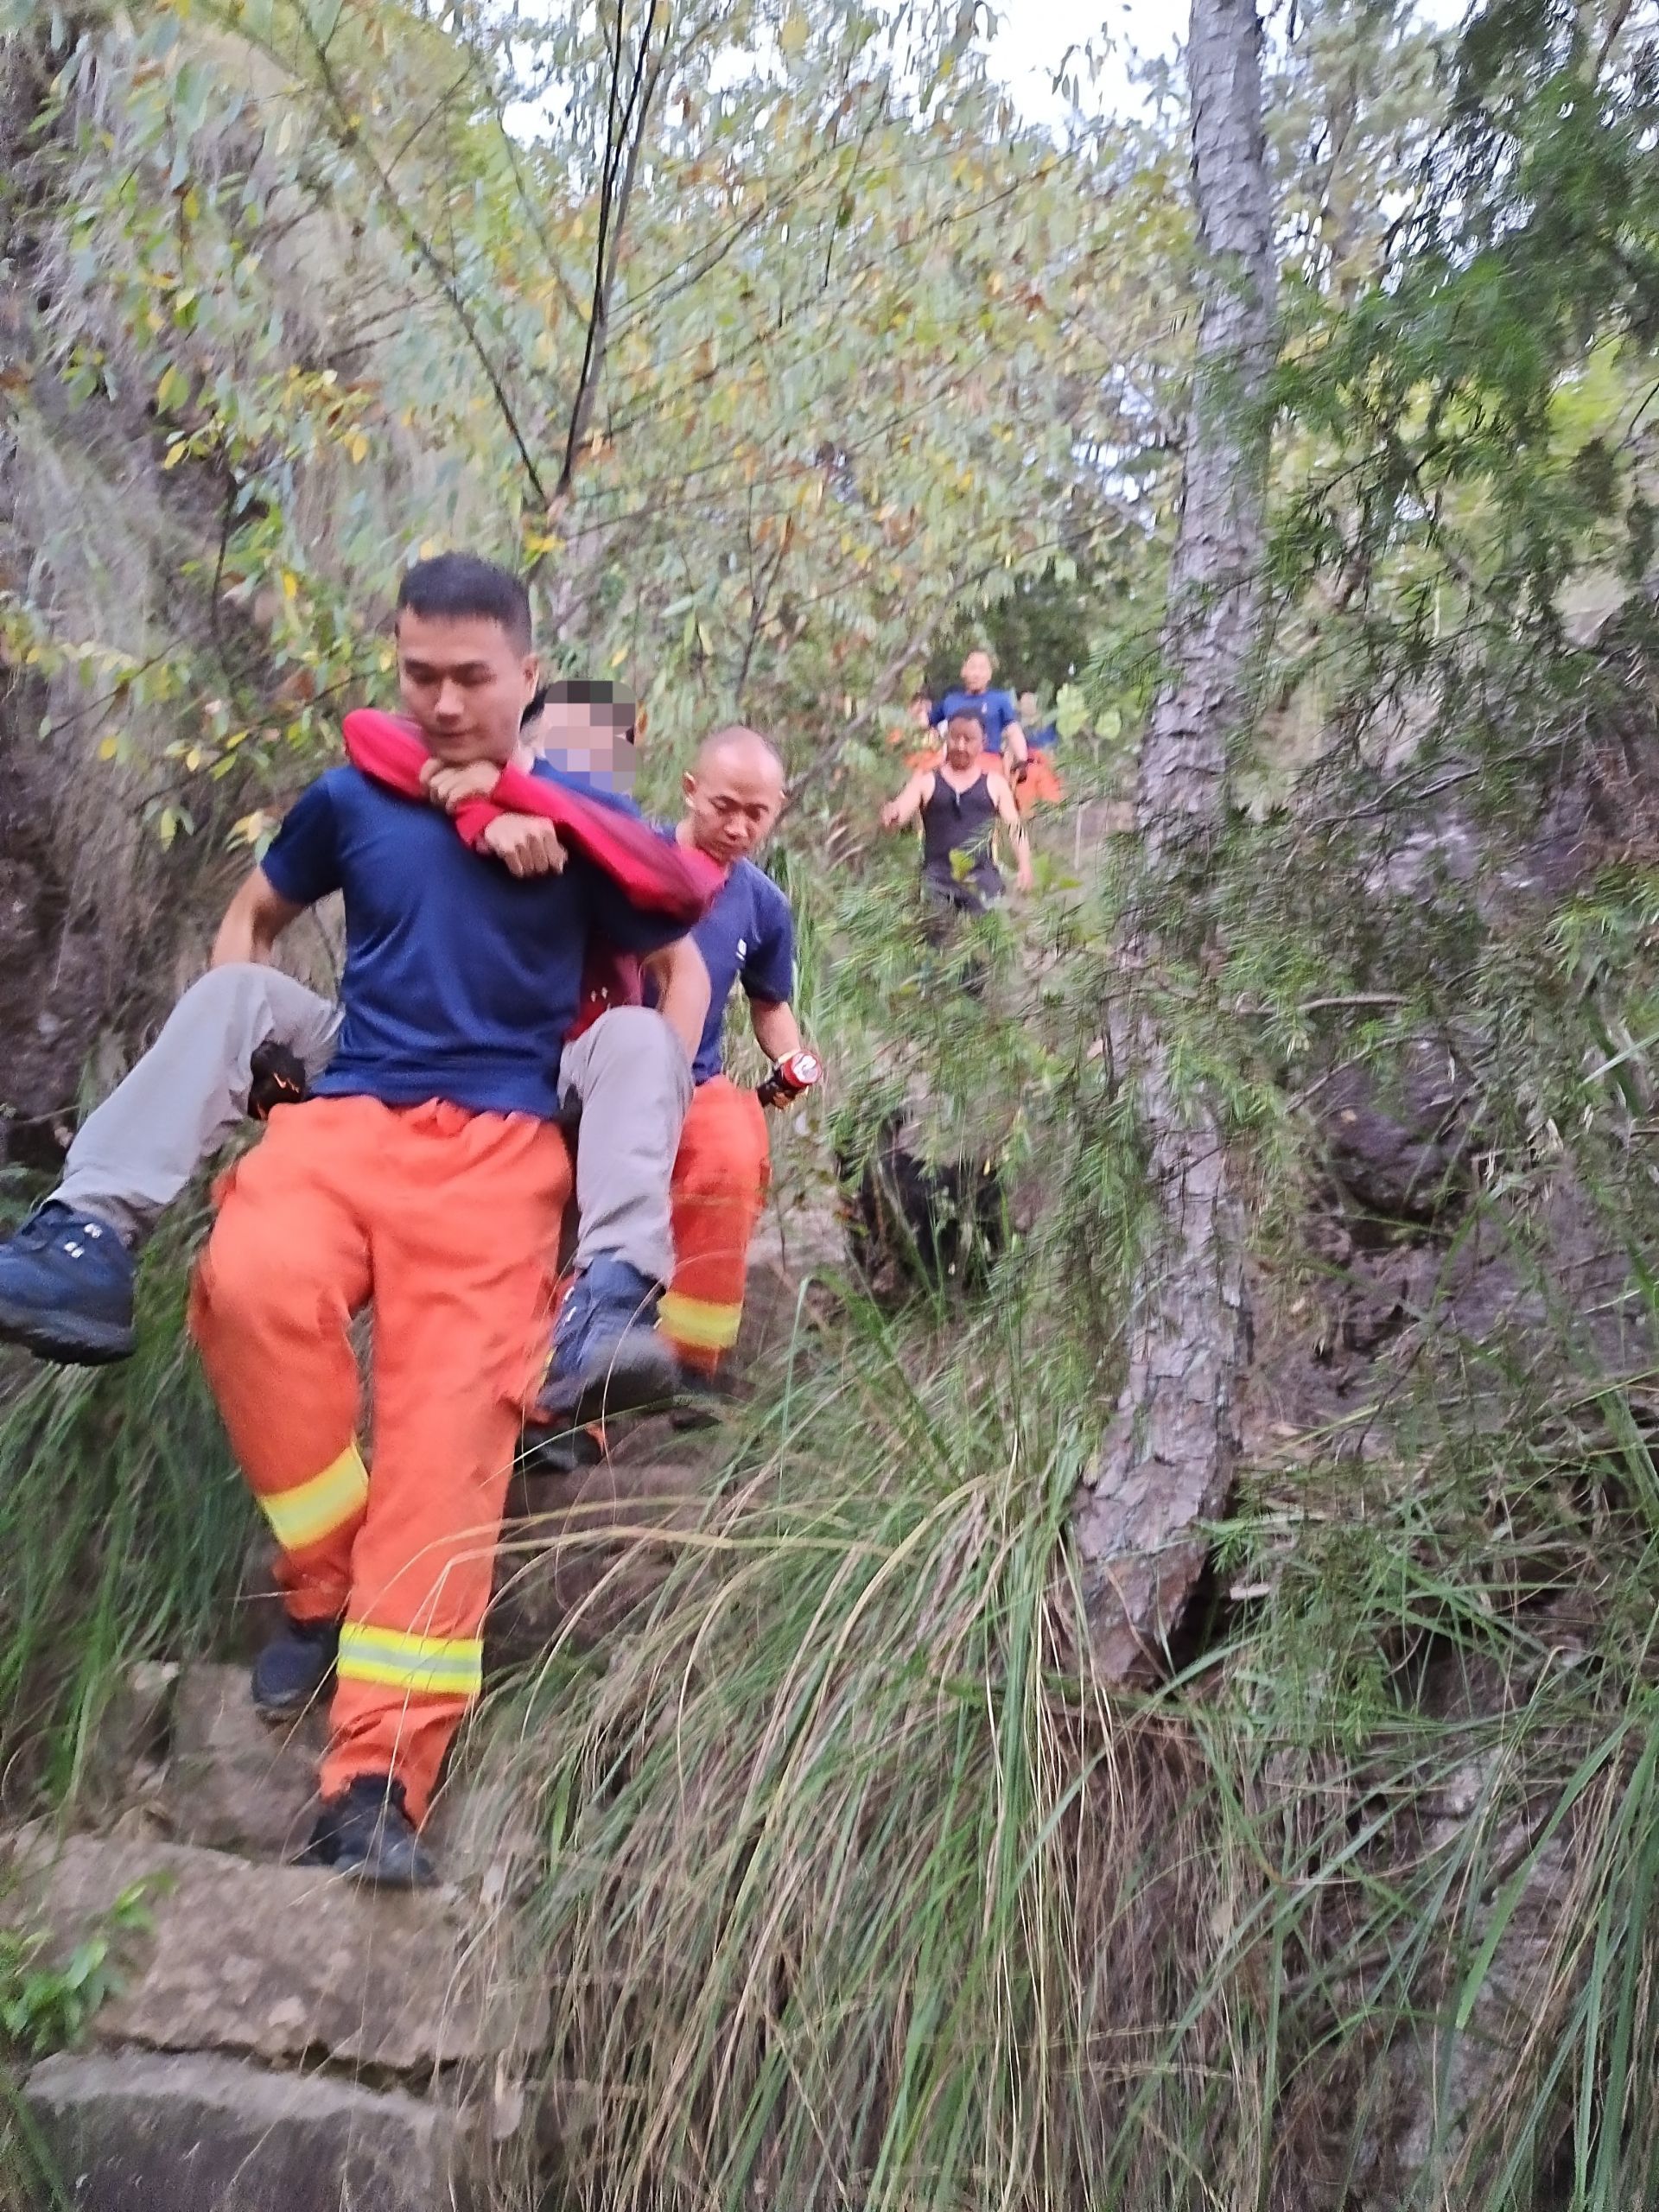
x=525 y=844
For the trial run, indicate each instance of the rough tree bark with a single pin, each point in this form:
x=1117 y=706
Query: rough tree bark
x=1168 y=1458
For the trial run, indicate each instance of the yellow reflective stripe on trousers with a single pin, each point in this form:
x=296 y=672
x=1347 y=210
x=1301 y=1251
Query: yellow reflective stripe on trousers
x=429 y=1666
x=696 y=1322
x=315 y=1509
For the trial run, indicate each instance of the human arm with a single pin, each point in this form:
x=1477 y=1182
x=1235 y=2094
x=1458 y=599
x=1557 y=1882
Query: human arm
x=1016 y=746
x=1009 y=814
x=768 y=976
x=253 y=921
x=301 y=865
x=909 y=802
x=651 y=875
x=776 y=1030
x=525 y=844
x=450 y=789
x=681 y=987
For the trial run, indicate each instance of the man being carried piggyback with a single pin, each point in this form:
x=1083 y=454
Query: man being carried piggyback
x=998 y=712
x=246 y=1038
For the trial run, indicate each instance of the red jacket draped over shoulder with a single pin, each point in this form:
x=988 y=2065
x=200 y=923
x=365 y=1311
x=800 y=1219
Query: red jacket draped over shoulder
x=658 y=874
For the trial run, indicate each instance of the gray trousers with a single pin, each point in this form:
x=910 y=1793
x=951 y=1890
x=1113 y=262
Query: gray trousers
x=134 y=1154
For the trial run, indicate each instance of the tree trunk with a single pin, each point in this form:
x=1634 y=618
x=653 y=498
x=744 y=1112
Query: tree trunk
x=1168 y=1458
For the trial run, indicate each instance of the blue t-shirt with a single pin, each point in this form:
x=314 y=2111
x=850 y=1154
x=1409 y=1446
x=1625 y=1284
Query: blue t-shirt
x=461 y=980
x=746 y=935
x=997 y=710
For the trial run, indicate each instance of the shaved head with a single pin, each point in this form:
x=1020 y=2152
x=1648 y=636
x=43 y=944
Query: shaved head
x=733 y=794
x=744 y=748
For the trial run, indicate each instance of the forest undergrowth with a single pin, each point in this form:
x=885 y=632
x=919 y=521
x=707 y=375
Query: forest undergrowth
x=851 y=1880
x=852 y=1883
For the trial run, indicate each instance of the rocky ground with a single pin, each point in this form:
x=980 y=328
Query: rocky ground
x=282 y=2041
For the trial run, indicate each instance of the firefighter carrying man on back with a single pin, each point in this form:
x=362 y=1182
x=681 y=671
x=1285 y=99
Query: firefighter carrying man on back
x=427 y=1181
x=66 y=1281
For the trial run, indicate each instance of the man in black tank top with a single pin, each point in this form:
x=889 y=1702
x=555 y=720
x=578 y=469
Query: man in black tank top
x=960 y=803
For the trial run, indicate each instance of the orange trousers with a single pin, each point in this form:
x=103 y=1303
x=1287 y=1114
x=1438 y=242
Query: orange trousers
x=719 y=1186
x=1036 y=782
x=447 y=1221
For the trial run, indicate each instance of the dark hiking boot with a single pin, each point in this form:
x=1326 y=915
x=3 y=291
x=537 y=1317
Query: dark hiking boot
x=607 y=1357
x=65 y=1288
x=294 y=1668
x=365 y=1831
x=564 y=1451
x=701 y=1401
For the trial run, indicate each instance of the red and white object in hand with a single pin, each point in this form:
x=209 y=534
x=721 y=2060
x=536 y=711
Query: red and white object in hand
x=791 y=1076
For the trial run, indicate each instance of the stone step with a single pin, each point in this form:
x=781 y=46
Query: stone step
x=137 y=2132
x=231 y=1782
x=279 y=1963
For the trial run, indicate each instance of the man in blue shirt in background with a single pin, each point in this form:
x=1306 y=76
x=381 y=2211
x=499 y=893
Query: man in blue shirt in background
x=733 y=794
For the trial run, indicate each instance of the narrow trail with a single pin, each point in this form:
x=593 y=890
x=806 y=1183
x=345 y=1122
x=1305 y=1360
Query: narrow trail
x=284 y=2041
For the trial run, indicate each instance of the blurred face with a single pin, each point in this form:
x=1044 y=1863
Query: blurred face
x=590 y=739
x=921 y=713
x=964 y=740
x=466 y=684
x=976 y=672
x=732 y=803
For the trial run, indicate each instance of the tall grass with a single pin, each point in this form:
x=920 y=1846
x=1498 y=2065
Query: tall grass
x=123 y=1525
x=815 y=1838
x=852 y=1887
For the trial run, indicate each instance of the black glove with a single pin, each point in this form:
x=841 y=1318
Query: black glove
x=279 y=1079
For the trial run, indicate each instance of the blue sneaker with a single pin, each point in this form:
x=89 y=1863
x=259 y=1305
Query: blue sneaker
x=66 y=1288
x=607 y=1357
x=294 y=1668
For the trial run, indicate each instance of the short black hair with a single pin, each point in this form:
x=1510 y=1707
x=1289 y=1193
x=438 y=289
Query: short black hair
x=585 y=691
x=581 y=691
x=969 y=714
x=460 y=585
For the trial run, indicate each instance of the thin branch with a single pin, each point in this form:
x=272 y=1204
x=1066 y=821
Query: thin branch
x=624 y=140
x=829 y=756
x=352 y=138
